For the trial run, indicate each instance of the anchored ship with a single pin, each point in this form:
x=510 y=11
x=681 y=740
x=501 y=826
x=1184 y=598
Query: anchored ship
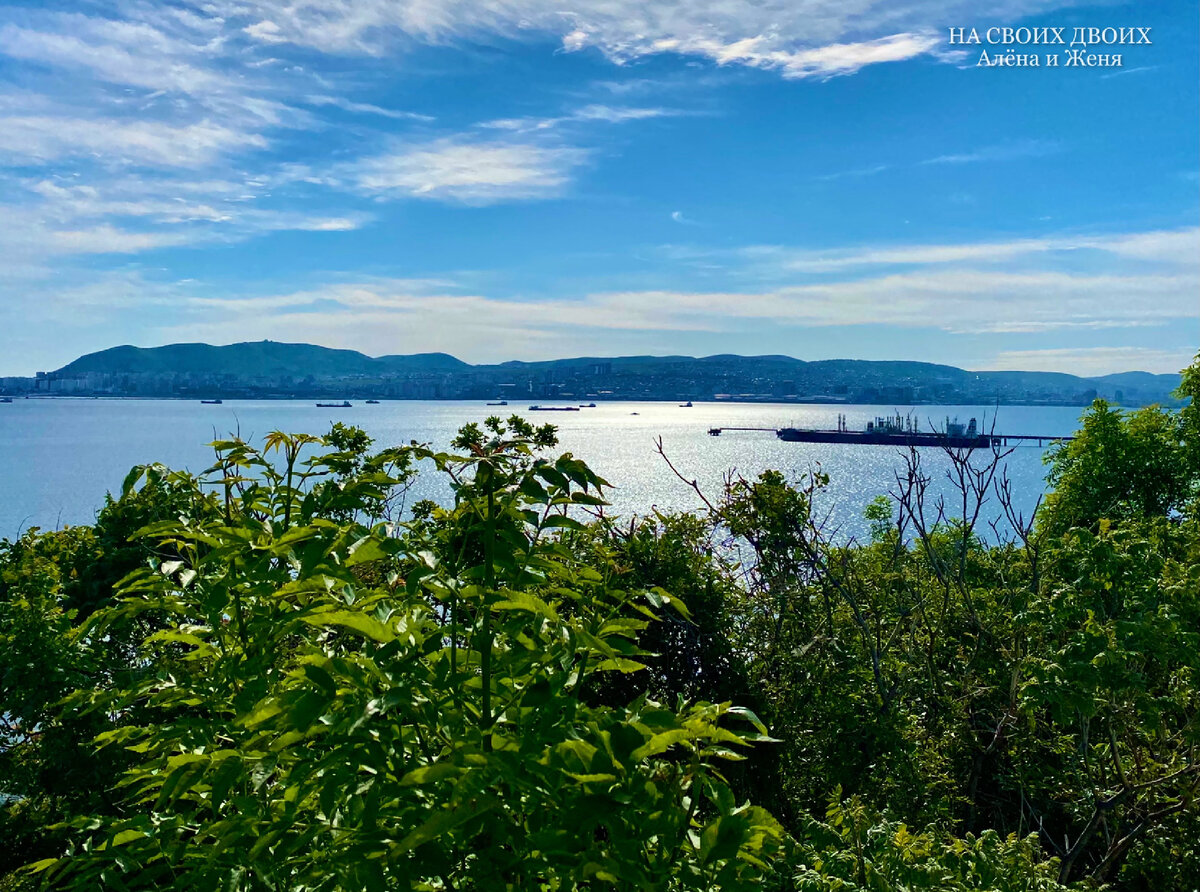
x=897 y=430
x=893 y=430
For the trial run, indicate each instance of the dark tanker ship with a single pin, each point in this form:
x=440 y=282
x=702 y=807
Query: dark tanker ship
x=897 y=430
x=894 y=430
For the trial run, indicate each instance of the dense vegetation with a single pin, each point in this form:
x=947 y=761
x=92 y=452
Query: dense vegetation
x=276 y=675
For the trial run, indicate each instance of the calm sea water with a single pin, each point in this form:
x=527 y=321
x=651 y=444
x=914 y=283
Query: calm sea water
x=60 y=456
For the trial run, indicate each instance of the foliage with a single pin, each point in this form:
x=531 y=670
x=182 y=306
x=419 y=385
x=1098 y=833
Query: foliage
x=1118 y=468
x=856 y=849
x=333 y=707
x=49 y=584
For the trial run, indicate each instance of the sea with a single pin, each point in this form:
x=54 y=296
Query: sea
x=61 y=456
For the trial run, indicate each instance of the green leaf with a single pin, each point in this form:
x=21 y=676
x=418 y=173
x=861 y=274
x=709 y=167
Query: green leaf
x=562 y=521
x=619 y=664
x=428 y=774
x=661 y=742
x=366 y=550
x=365 y=625
x=518 y=600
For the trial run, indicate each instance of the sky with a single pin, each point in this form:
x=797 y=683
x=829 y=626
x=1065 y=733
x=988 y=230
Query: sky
x=533 y=179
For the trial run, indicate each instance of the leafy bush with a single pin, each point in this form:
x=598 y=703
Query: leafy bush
x=332 y=707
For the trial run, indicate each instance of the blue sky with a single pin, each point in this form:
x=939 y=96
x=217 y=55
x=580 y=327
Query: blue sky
x=525 y=179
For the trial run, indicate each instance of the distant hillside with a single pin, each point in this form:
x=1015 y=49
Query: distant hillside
x=423 y=362
x=269 y=369
x=1140 y=379
x=253 y=359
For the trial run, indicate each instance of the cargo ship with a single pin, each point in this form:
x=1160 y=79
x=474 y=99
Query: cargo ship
x=894 y=430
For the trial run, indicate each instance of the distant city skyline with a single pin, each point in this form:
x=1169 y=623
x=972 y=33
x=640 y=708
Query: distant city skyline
x=523 y=180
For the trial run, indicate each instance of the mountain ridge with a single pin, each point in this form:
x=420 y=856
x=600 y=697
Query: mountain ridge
x=278 y=369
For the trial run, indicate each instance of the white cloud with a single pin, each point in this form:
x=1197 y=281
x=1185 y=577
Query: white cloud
x=366 y=108
x=1172 y=246
x=856 y=172
x=141 y=199
x=955 y=300
x=798 y=38
x=110 y=240
x=617 y=115
x=590 y=113
x=72 y=218
x=1094 y=361
x=1148 y=285
x=1011 y=151
x=472 y=172
x=130 y=53
x=831 y=60
x=1178 y=246
x=42 y=138
x=328 y=224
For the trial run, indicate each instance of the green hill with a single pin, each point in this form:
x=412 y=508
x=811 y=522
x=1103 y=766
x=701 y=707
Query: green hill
x=271 y=368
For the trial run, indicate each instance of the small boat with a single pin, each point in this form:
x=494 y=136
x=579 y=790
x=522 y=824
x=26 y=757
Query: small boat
x=686 y=405
x=372 y=402
x=500 y=403
x=5 y=399
x=553 y=409
x=587 y=405
x=344 y=404
x=211 y=402
x=635 y=413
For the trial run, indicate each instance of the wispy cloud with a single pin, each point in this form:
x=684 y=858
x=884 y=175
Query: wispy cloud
x=954 y=299
x=1010 y=151
x=1030 y=148
x=800 y=39
x=607 y=114
x=831 y=60
x=110 y=240
x=366 y=108
x=32 y=138
x=132 y=215
x=1172 y=246
x=468 y=171
x=1093 y=361
x=1138 y=69
x=138 y=126
x=130 y=53
x=856 y=173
